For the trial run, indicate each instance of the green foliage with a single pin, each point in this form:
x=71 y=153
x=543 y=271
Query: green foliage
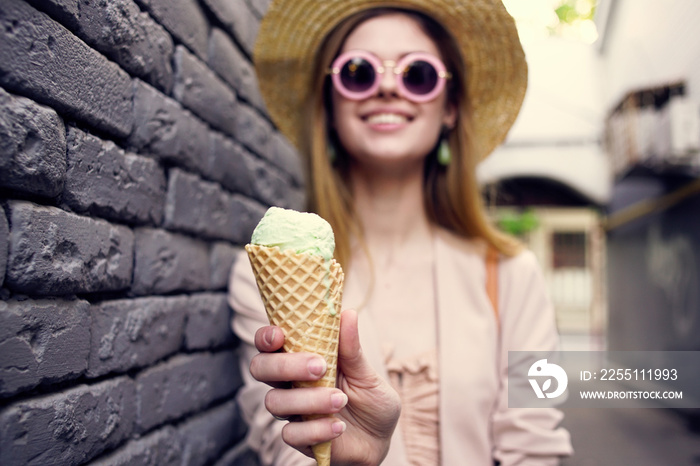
x=572 y=14
x=571 y=11
x=518 y=224
x=566 y=12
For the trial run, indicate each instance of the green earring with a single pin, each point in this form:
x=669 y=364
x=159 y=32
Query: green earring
x=444 y=155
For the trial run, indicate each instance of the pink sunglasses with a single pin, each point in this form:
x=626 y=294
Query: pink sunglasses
x=420 y=76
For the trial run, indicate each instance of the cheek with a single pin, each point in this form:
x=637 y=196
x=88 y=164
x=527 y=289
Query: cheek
x=341 y=110
x=436 y=117
x=445 y=112
x=344 y=124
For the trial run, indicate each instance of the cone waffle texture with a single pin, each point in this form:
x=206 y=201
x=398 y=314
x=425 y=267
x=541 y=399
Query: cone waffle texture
x=302 y=294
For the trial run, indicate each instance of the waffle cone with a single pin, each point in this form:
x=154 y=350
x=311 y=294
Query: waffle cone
x=302 y=294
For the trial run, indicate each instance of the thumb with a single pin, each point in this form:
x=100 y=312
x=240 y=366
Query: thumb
x=350 y=356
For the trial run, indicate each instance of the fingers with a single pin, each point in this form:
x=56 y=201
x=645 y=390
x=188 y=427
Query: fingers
x=349 y=344
x=272 y=366
x=302 y=434
x=350 y=356
x=286 y=367
x=269 y=339
x=305 y=401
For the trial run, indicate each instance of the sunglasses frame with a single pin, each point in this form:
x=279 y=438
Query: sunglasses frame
x=397 y=68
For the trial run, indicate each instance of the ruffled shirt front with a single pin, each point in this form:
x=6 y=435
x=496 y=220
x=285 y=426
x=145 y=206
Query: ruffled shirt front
x=416 y=381
x=402 y=303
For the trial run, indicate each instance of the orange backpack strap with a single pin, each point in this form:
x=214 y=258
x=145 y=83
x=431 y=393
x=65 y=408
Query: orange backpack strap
x=492 y=279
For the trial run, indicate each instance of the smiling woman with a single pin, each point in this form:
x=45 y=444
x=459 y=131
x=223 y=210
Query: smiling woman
x=392 y=105
x=391 y=128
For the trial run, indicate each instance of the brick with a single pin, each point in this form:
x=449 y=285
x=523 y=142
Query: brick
x=103 y=180
x=286 y=157
x=167 y=262
x=159 y=448
x=70 y=427
x=237 y=169
x=239 y=20
x=254 y=131
x=204 y=93
x=226 y=59
x=122 y=32
x=42 y=341
x=133 y=333
x=184 y=385
x=259 y=7
x=41 y=59
x=32 y=147
x=270 y=184
x=5 y=244
x=163 y=128
x=184 y=19
x=240 y=455
x=296 y=199
x=206 y=436
x=53 y=252
x=248 y=214
x=226 y=164
x=201 y=207
x=221 y=256
x=208 y=322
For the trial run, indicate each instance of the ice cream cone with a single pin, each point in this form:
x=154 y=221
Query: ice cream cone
x=302 y=294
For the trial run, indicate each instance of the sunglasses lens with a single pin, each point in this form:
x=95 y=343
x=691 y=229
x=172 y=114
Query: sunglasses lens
x=357 y=75
x=420 y=77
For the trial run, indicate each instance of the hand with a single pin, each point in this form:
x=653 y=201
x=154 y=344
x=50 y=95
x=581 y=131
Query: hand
x=366 y=407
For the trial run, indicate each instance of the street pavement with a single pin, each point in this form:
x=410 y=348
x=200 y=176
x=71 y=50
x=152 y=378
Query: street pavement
x=634 y=437
x=639 y=437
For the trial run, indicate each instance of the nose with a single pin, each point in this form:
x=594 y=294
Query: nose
x=387 y=84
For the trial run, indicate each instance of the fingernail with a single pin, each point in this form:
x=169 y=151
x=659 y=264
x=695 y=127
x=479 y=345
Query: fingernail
x=317 y=367
x=269 y=337
x=339 y=400
x=338 y=427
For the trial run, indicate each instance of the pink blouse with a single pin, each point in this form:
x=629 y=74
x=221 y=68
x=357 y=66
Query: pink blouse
x=416 y=381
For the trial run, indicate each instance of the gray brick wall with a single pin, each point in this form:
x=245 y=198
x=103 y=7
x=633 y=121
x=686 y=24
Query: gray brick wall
x=136 y=157
x=32 y=145
x=42 y=59
x=203 y=92
x=97 y=169
x=42 y=341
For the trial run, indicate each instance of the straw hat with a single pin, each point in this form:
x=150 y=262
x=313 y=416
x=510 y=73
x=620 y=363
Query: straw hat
x=496 y=76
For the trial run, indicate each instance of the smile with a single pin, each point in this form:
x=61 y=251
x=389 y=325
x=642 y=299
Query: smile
x=387 y=119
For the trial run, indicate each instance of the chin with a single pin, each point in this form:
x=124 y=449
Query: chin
x=390 y=159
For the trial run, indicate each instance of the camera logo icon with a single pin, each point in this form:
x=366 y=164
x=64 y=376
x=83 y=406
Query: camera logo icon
x=541 y=369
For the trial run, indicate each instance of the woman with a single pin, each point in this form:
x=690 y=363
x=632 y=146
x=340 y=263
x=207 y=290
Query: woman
x=402 y=99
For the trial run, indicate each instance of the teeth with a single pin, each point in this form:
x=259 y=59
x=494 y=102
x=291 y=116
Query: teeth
x=386 y=118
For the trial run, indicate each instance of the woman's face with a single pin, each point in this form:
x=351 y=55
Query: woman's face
x=387 y=129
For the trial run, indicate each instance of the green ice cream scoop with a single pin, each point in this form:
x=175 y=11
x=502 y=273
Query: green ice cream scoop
x=301 y=232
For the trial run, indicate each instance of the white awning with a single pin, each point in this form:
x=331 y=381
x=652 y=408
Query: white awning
x=584 y=168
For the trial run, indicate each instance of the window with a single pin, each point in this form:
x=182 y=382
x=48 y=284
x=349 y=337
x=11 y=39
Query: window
x=569 y=250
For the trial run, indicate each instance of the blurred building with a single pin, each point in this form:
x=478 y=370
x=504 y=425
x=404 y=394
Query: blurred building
x=554 y=169
x=600 y=176
x=651 y=89
x=605 y=156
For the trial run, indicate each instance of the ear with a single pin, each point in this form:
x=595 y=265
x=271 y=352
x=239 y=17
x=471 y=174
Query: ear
x=449 y=118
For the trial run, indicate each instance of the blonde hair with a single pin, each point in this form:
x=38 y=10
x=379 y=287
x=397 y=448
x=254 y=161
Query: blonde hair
x=451 y=194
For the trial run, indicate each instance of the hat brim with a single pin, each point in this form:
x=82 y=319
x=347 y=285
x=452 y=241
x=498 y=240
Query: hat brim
x=496 y=70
